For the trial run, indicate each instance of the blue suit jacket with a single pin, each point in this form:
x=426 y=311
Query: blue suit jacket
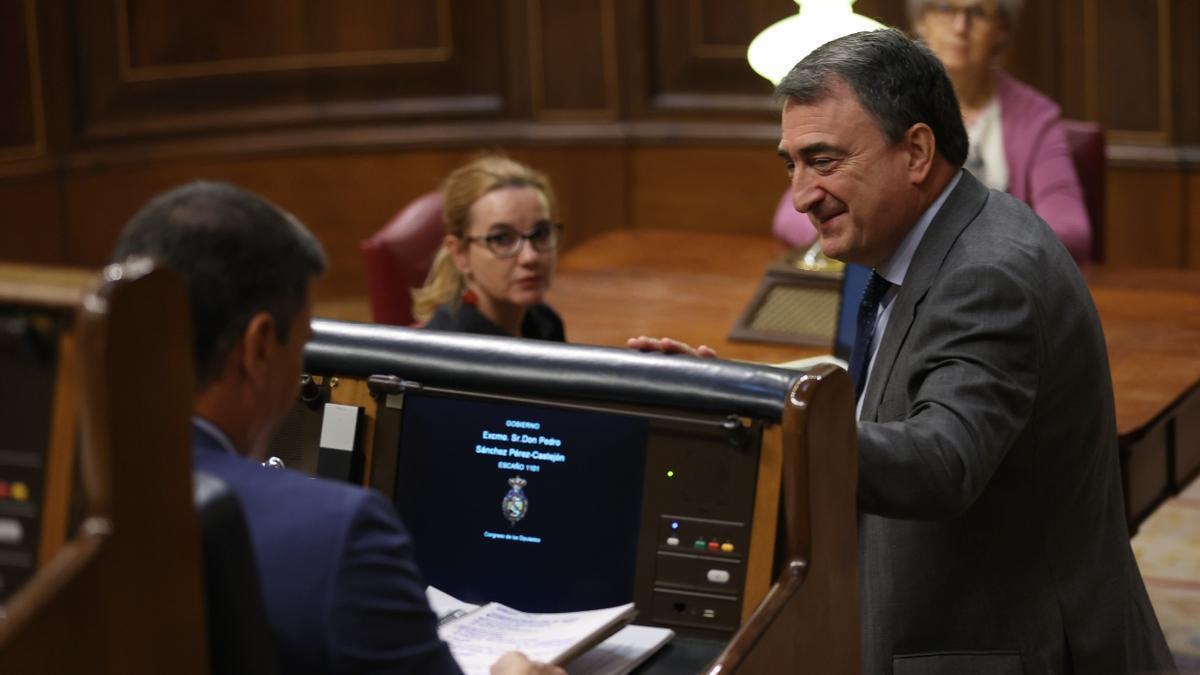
x=340 y=583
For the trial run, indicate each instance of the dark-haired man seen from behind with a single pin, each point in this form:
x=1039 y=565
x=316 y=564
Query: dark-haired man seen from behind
x=341 y=588
x=992 y=536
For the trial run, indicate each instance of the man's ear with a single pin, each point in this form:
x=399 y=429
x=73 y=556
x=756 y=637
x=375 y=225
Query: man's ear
x=258 y=344
x=921 y=147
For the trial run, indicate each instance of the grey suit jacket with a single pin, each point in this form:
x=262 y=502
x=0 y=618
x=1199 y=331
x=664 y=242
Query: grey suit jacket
x=992 y=534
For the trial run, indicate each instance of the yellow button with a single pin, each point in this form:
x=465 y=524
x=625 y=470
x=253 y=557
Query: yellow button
x=20 y=491
x=727 y=547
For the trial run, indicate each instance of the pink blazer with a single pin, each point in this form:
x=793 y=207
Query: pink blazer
x=1040 y=171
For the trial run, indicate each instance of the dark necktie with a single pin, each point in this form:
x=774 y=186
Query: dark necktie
x=860 y=357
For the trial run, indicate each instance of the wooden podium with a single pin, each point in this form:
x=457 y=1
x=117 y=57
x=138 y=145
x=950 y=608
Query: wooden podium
x=121 y=594
x=797 y=600
x=808 y=621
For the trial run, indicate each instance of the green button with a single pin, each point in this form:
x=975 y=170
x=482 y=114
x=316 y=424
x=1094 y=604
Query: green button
x=700 y=544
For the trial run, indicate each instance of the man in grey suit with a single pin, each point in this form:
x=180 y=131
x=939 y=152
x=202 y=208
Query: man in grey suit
x=991 y=529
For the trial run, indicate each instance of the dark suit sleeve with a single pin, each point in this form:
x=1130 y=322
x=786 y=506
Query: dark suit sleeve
x=381 y=621
x=970 y=365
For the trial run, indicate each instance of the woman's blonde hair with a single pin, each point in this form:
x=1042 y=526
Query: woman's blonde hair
x=461 y=189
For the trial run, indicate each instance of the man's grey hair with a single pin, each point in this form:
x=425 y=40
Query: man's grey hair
x=898 y=82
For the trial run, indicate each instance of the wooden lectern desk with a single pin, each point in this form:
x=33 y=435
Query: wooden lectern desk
x=120 y=593
x=745 y=540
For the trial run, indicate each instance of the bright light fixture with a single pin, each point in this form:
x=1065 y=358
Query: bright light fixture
x=773 y=53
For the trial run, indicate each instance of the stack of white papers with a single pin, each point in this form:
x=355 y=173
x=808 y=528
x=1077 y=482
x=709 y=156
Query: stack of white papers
x=478 y=636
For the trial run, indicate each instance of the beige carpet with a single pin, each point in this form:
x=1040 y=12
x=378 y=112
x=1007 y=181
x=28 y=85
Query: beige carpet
x=1168 y=551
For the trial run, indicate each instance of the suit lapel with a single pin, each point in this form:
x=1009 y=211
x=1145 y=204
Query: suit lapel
x=960 y=208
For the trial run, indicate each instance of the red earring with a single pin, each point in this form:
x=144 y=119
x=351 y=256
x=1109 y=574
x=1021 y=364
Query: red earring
x=469 y=297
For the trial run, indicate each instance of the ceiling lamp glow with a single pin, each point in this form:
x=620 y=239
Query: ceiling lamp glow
x=773 y=53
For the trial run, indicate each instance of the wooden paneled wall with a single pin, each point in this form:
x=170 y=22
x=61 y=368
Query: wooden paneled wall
x=643 y=112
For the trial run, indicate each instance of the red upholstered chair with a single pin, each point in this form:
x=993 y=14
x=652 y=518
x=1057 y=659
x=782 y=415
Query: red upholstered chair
x=1087 y=150
x=397 y=258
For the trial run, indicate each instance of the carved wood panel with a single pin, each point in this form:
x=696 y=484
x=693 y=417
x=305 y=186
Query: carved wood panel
x=1034 y=48
x=153 y=67
x=31 y=221
x=1146 y=212
x=22 y=126
x=1131 y=51
x=1185 y=65
x=573 y=59
x=161 y=39
x=348 y=109
x=696 y=55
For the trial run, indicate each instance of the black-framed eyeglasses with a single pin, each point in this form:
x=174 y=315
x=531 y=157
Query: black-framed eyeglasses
x=505 y=241
x=974 y=13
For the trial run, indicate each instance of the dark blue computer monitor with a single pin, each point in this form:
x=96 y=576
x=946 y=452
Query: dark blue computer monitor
x=517 y=502
x=854 y=281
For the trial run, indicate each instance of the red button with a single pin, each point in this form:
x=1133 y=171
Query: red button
x=714 y=545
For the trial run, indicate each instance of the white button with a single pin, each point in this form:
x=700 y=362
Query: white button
x=672 y=541
x=11 y=531
x=718 y=576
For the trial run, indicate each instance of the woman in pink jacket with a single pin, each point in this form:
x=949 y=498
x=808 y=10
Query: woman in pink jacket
x=1017 y=143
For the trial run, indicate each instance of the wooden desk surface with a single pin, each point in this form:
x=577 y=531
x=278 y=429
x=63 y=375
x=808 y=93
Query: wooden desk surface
x=1151 y=322
x=693 y=285
x=682 y=284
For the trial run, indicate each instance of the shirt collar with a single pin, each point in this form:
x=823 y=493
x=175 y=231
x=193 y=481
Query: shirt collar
x=896 y=267
x=215 y=433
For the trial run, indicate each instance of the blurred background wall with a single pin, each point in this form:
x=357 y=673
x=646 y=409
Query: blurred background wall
x=643 y=112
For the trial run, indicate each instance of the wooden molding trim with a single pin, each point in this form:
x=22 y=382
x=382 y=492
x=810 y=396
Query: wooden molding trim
x=378 y=138
x=455 y=135
x=1148 y=156
x=714 y=102
x=766 y=519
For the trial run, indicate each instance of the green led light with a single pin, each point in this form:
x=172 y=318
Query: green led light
x=670 y=473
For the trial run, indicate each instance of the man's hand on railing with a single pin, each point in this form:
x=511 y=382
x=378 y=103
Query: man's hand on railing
x=668 y=346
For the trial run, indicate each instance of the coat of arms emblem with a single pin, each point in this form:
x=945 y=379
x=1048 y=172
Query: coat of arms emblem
x=515 y=504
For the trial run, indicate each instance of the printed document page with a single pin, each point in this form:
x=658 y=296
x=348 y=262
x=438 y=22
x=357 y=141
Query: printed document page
x=622 y=652
x=479 y=638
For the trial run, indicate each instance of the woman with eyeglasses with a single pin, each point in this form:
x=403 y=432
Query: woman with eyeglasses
x=496 y=262
x=1017 y=143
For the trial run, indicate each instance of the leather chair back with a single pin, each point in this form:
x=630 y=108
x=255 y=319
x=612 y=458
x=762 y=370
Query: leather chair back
x=1088 y=153
x=239 y=640
x=397 y=258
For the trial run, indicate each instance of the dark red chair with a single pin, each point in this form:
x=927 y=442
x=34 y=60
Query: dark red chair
x=397 y=258
x=1088 y=152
